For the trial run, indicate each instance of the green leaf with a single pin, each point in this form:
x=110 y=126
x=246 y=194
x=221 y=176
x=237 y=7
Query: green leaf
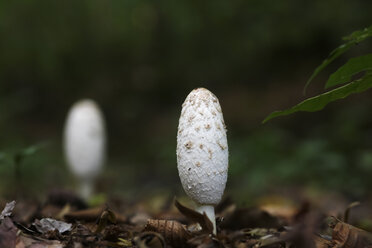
x=359 y=35
x=27 y=152
x=352 y=67
x=352 y=40
x=31 y=150
x=317 y=103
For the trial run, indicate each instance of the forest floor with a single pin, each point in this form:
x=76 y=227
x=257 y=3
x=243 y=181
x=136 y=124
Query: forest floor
x=65 y=220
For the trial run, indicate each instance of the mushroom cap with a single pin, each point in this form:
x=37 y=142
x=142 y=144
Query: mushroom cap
x=202 y=150
x=85 y=139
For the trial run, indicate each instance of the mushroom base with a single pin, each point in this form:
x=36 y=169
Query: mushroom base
x=86 y=188
x=209 y=211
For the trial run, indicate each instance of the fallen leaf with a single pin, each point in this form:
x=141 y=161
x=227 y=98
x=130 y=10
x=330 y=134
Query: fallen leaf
x=149 y=240
x=107 y=217
x=25 y=211
x=321 y=242
x=91 y=214
x=348 y=209
x=7 y=211
x=48 y=224
x=8 y=233
x=204 y=241
x=348 y=236
x=195 y=216
x=278 y=206
x=249 y=218
x=139 y=218
x=270 y=240
x=301 y=234
x=29 y=242
x=173 y=232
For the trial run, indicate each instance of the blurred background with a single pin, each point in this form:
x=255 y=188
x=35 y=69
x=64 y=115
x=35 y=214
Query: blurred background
x=140 y=59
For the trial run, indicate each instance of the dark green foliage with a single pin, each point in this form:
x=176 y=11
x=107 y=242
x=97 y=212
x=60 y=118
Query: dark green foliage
x=319 y=102
x=353 y=66
x=352 y=40
x=342 y=75
x=14 y=161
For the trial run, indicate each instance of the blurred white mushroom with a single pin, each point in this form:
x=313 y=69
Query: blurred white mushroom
x=84 y=143
x=202 y=151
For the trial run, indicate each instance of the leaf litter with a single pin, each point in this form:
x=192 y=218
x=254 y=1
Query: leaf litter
x=64 y=221
x=7 y=211
x=48 y=224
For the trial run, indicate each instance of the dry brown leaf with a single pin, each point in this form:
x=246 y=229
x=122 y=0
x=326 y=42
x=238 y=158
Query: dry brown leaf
x=321 y=243
x=7 y=211
x=348 y=236
x=139 y=218
x=91 y=214
x=302 y=232
x=348 y=210
x=8 y=233
x=194 y=216
x=173 y=232
x=204 y=241
x=278 y=206
x=25 y=211
x=28 y=242
x=150 y=240
x=107 y=217
x=47 y=224
x=249 y=218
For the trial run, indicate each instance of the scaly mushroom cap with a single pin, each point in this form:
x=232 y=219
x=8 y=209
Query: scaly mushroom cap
x=84 y=139
x=202 y=150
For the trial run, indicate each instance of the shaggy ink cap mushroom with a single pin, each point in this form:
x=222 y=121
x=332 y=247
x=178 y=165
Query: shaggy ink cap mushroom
x=84 y=143
x=202 y=150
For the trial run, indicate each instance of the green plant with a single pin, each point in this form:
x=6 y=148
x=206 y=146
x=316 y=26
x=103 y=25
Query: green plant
x=343 y=79
x=16 y=160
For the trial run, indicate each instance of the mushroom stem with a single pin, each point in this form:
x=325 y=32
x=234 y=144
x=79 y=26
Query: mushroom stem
x=209 y=211
x=86 y=188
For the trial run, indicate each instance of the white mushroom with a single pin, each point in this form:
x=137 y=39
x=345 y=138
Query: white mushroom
x=202 y=151
x=84 y=143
